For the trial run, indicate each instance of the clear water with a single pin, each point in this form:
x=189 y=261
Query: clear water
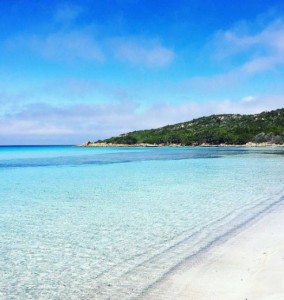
x=107 y=223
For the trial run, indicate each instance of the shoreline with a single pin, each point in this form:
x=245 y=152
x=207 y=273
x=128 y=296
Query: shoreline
x=249 y=145
x=247 y=264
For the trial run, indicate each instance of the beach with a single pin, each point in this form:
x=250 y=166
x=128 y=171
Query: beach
x=142 y=150
x=247 y=265
x=128 y=223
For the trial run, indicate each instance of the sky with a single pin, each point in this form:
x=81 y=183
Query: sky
x=73 y=71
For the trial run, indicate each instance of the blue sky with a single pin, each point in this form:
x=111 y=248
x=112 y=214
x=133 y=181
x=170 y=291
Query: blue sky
x=82 y=70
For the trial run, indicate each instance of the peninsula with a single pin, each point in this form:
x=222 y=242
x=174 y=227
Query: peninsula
x=263 y=129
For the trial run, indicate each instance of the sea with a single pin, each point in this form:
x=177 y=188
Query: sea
x=110 y=223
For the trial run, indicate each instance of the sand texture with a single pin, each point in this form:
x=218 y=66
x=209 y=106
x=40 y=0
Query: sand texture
x=248 y=265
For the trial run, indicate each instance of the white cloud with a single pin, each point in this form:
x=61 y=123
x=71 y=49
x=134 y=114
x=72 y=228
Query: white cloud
x=263 y=48
x=169 y=113
x=270 y=37
x=247 y=54
x=66 y=46
x=145 y=53
x=61 y=42
x=262 y=64
x=79 y=122
x=81 y=45
x=68 y=41
x=248 y=99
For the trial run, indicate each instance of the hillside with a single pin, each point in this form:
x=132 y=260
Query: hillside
x=231 y=129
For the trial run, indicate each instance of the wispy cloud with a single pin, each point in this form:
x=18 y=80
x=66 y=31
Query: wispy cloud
x=77 y=90
x=67 y=13
x=142 y=52
x=77 y=122
x=264 y=49
x=63 y=40
x=63 y=46
x=67 y=45
x=248 y=99
x=80 y=119
x=261 y=64
x=267 y=39
x=249 y=54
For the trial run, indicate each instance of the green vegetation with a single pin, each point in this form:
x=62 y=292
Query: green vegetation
x=232 y=129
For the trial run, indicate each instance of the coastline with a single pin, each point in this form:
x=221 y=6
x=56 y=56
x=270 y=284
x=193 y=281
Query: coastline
x=249 y=264
x=94 y=144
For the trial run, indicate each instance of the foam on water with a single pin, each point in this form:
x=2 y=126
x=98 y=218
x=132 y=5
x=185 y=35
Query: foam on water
x=89 y=223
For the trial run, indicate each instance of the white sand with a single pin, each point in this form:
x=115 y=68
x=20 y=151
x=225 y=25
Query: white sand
x=249 y=265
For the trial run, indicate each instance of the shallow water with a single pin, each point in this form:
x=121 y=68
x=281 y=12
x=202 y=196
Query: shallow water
x=107 y=223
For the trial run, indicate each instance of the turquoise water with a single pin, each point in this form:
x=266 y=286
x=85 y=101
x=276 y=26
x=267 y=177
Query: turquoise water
x=107 y=223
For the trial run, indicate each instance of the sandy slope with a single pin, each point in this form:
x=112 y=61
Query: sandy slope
x=249 y=265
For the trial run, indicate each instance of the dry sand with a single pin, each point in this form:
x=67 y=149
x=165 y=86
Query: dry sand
x=249 y=265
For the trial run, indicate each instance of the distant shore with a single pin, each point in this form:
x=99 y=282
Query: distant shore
x=250 y=144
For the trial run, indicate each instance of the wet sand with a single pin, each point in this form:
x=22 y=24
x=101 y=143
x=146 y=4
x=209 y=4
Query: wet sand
x=247 y=265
